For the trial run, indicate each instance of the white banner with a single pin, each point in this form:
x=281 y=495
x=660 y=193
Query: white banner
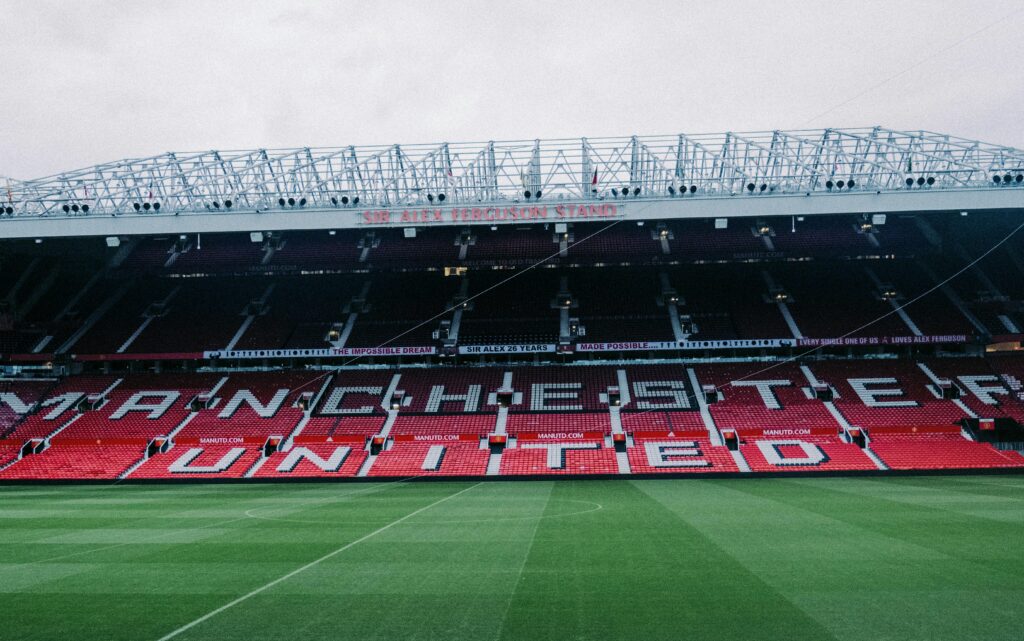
x=321 y=353
x=630 y=346
x=506 y=349
x=654 y=346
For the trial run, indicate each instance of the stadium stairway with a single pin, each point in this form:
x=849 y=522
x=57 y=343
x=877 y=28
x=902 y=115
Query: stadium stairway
x=147 y=320
x=936 y=381
x=841 y=420
x=249 y=318
x=709 y=422
x=900 y=312
x=385 y=430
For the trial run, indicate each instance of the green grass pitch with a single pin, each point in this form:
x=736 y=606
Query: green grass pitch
x=906 y=558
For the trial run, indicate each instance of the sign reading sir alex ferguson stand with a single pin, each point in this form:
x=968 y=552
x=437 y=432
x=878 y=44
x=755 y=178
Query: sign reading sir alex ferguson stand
x=514 y=213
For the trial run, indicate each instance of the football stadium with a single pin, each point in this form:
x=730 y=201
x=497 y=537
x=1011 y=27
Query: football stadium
x=724 y=386
x=696 y=320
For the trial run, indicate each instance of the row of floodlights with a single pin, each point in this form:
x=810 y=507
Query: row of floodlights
x=839 y=184
x=344 y=201
x=920 y=181
x=1007 y=179
x=636 y=191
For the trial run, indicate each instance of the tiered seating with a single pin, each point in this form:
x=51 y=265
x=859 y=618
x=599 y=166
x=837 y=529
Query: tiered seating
x=245 y=421
x=219 y=253
x=699 y=240
x=621 y=305
x=319 y=249
x=938 y=452
x=328 y=426
x=743 y=408
x=1010 y=371
x=76 y=461
x=585 y=384
x=935 y=314
x=28 y=392
x=511 y=246
x=122 y=320
x=430 y=248
x=353 y=402
x=698 y=448
x=927 y=410
x=726 y=302
x=829 y=238
x=558 y=422
x=301 y=311
x=514 y=312
x=461 y=458
x=418 y=384
x=41 y=424
x=204 y=315
x=159 y=466
x=9 y=451
x=529 y=460
x=838 y=455
x=136 y=425
x=1003 y=402
x=480 y=424
x=399 y=303
x=149 y=254
x=306 y=468
x=630 y=243
x=832 y=300
x=650 y=421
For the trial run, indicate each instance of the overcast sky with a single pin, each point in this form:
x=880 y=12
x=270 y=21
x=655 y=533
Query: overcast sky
x=88 y=82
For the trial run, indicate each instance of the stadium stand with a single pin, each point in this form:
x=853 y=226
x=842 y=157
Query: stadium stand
x=804 y=452
x=447 y=458
x=886 y=393
x=118 y=337
x=939 y=451
x=587 y=455
x=314 y=460
x=681 y=452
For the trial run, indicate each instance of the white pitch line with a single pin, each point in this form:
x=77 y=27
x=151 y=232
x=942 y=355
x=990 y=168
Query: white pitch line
x=267 y=586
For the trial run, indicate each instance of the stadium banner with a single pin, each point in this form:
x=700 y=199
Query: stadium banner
x=507 y=349
x=559 y=436
x=221 y=440
x=425 y=216
x=788 y=432
x=321 y=353
x=430 y=438
x=654 y=346
x=884 y=340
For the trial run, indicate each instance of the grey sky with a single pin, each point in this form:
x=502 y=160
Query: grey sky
x=87 y=82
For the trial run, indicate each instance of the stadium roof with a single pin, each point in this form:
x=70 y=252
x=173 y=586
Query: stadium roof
x=723 y=174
